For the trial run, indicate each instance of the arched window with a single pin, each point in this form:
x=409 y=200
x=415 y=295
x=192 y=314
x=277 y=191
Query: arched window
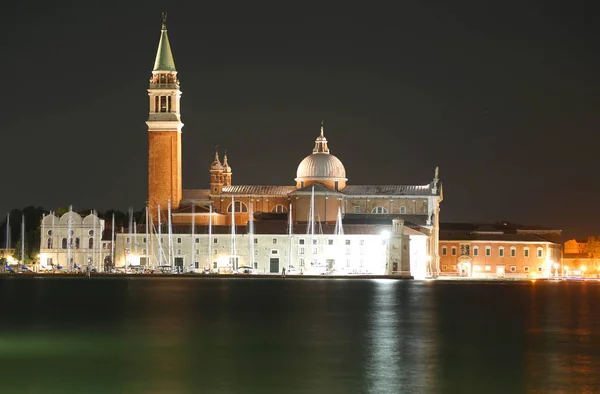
x=64 y=243
x=91 y=243
x=50 y=243
x=76 y=243
x=239 y=207
x=379 y=210
x=279 y=209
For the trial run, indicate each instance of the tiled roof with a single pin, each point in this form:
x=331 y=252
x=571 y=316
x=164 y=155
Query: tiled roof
x=188 y=209
x=370 y=218
x=318 y=189
x=387 y=190
x=500 y=231
x=195 y=194
x=352 y=190
x=475 y=236
x=258 y=190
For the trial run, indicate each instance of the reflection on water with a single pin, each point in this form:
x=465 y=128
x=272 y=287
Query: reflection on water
x=297 y=336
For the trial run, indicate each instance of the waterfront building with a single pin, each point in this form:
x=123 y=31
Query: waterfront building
x=320 y=197
x=499 y=250
x=71 y=241
x=582 y=257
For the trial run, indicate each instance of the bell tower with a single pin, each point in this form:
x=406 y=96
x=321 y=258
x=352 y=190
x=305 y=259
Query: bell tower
x=164 y=129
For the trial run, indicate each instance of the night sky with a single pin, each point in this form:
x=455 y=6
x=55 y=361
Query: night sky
x=503 y=98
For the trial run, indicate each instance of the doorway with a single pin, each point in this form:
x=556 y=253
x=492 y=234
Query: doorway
x=274 y=265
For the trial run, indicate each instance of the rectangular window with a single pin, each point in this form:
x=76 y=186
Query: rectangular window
x=315 y=251
x=444 y=267
x=526 y=269
x=526 y=252
x=214 y=240
x=348 y=251
x=300 y=250
x=314 y=241
x=513 y=252
x=179 y=252
x=215 y=252
x=127 y=240
x=301 y=262
x=356 y=209
x=196 y=265
x=215 y=265
x=361 y=242
x=197 y=251
x=197 y=240
x=513 y=268
x=330 y=242
x=475 y=251
x=539 y=269
x=453 y=251
x=178 y=240
x=488 y=251
x=144 y=240
x=453 y=267
x=143 y=251
x=402 y=210
x=274 y=241
x=301 y=241
x=501 y=252
x=255 y=240
x=347 y=242
x=444 y=251
x=540 y=252
x=274 y=251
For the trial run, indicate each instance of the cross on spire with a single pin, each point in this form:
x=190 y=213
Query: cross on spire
x=164 y=20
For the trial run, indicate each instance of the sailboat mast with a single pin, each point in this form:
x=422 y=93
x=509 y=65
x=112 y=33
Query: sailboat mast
x=209 y=237
x=232 y=229
x=251 y=237
x=148 y=239
x=290 y=233
x=112 y=242
x=160 y=248
x=170 y=234
x=23 y=239
x=192 y=258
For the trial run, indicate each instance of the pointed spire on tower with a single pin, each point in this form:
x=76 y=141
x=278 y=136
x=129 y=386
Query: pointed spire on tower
x=226 y=167
x=216 y=165
x=164 y=58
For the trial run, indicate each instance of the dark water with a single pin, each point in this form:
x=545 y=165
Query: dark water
x=297 y=336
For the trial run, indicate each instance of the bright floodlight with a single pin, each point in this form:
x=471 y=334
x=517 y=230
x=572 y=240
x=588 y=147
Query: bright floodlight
x=385 y=234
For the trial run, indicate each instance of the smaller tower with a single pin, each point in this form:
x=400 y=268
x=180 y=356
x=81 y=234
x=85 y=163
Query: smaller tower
x=216 y=175
x=226 y=172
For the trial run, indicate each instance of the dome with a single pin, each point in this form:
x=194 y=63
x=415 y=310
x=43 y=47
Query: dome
x=321 y=166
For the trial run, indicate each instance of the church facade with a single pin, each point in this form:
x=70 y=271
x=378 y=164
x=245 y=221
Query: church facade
x=319 y=220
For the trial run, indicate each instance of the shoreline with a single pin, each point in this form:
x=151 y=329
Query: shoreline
x=34 y=275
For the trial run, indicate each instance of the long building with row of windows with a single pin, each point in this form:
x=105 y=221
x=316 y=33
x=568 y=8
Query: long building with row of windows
x=500 y=250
